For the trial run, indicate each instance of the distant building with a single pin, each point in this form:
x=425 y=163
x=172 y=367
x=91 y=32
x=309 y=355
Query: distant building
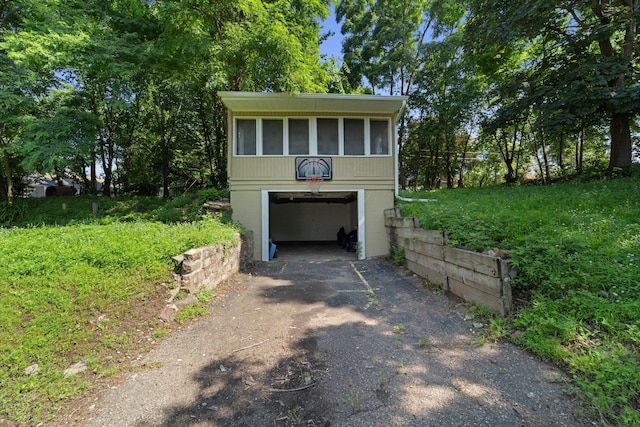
x=45 y=186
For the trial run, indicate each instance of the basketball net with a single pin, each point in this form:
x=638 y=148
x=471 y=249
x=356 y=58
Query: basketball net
x=314 y=183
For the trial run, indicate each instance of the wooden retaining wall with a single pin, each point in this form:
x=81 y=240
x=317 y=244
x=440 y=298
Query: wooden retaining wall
x=479 y=278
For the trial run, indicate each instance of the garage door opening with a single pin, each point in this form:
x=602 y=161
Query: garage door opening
x=304 y=225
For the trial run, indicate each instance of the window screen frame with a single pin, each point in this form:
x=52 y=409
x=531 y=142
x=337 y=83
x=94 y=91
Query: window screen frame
x=313 y=135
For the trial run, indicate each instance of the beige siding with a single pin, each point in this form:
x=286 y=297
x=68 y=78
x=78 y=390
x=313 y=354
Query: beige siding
x=247 y=208
x=251 y=174
x=376 y=201
x=348 y=172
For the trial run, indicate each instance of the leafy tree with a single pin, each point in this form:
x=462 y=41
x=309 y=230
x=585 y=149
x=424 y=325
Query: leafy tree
x=130 y=86
x=381 y=45
x=387 y=47
x=447 y=94
x=59 y=137
x=246 y=45
x=584 y=61
x=19 y=86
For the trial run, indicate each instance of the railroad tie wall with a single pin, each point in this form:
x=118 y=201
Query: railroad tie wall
x=482 y=279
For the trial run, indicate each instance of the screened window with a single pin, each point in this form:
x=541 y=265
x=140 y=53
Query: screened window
x=322 y=136
x=272 y=137
x=246 y=136
x=379 y=131
x=353 y=136
x=298 y=136
x=327 y=136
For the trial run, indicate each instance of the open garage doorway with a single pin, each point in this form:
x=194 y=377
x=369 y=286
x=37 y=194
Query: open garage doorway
x=304 y=225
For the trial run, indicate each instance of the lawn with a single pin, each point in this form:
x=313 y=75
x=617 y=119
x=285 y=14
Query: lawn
x=74 y=285
x=576 y=248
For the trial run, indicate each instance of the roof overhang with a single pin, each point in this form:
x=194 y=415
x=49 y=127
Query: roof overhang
x=312 y=102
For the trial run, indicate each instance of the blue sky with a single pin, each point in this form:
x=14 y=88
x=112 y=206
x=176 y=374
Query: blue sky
x=333 y=45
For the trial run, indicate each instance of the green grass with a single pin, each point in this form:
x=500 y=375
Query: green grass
x=576 y=248
x=73 y=286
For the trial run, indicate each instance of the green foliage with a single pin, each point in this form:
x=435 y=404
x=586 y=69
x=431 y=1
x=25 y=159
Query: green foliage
x=397 y=255
x=132 y=85
x=566 y=66
x=213 y=194
x=76 y=210
x=576 y=248
x=71 y=285
x=423 y=342
x=11 y=212
x=197 y=309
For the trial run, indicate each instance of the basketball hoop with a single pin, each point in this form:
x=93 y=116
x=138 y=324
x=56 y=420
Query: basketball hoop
x=314 y=183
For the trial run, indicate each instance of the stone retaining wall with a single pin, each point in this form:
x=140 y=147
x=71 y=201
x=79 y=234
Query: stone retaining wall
x=211 y=265
x=482 y=279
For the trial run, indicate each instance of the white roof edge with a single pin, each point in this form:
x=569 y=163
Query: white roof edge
x=229 y=94
x=280 y=101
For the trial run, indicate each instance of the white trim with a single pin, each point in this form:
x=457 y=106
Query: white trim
x=393 y=147
x=313 y=136
x=285 y=136
x=341 y=136
x=306 y=102
x=259 y=136
x=265 y=224
x=361 y=226
x=367 y=137
x=265 y=217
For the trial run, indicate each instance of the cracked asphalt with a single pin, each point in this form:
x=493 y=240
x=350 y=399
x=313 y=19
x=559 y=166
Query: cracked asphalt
x=340 y=343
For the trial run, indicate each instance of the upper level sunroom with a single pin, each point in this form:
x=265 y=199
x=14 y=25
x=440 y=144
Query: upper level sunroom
x=277 y=124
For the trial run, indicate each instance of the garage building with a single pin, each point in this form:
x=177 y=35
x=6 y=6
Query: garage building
x=301 y=166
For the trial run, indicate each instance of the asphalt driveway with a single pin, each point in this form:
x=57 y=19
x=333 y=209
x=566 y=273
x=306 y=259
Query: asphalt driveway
x=341 y=343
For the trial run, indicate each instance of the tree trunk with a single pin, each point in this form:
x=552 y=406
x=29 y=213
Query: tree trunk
x=580 y=149
x=560 y=150
x=448 y=163
x=94 y=178
x=507 y=156
x=106 y=156
x=165 y=171
x=462 y=161
x=545 y=157
x=620 y=132
x=402 y=175
x=7 y=170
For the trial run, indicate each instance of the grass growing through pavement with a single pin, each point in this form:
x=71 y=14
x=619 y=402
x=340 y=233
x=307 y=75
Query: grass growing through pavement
x=72 y=284
x=576 y=248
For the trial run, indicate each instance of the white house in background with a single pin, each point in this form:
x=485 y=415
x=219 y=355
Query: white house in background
x=301 y=166
x=46 y=186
